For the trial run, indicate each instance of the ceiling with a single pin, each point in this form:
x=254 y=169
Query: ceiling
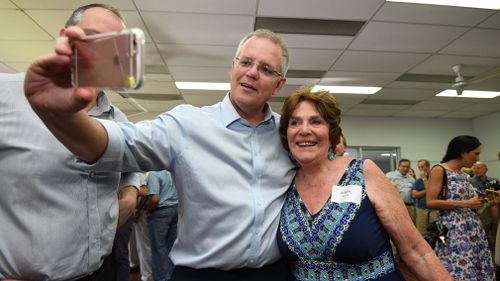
x=408 y=49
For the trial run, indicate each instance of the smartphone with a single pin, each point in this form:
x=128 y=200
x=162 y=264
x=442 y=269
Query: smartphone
x=491 y=194
x=111 y=60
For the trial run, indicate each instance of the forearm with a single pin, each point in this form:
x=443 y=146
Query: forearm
x=127 y=200
x=447 y=204
x=424 y=263
x=417 y=194
x=81 y=134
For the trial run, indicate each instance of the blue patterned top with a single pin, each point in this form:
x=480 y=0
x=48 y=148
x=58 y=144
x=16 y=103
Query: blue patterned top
x=343 y=241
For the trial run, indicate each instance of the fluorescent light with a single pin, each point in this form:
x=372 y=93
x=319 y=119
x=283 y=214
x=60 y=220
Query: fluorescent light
x=202 y=86
x=469 y=94
x=347 y=89
x=387 y=154
x=481 y=4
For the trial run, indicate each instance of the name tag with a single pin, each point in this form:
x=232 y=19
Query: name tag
x=349 y=193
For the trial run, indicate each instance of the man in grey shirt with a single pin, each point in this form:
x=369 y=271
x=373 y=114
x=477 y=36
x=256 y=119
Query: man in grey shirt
x=58 y=220
x=404 y=183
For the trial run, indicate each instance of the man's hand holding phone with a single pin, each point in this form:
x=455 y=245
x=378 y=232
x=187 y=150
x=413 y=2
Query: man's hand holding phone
x=48 y=79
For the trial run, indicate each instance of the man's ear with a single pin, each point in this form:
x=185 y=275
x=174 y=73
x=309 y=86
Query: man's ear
x=61 y=31
x=279 y=85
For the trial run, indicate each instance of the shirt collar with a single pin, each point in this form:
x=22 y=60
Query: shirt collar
x=103 y=105
x=230 y=115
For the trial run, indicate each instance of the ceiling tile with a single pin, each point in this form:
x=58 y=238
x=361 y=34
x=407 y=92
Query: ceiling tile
x=200 y=74
x=240 y=7
x=377 y=61
x=203 y=99
x=159 y=106
x=485 y=107
x=70 y=4
x=157 y=87
x=197 y=55
x=333 y=78
x=151 y=55
x=312 y=59
x=433 y=105
x=420 y=113
x=4 y=4
x=483 y=42
x=381 y=36
x=204 y=92
x=441 y=64
x=419 y=85
x=431 y=14
x=320 y=9
x=356 y=111
x=492 y=22
x=26 y=29
x=289 y=88
x=134 y=20
x=6 y=69
x=18 y=66
x=302 y=81
x=14 y=51
x=50 y=20
x=404 y=94
x=316 y=41
x=186 y=28
x=463 y=114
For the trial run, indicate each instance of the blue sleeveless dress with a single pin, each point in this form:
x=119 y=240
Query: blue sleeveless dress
x=343 y=241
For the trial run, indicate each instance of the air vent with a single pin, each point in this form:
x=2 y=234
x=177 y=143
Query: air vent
x=317 y=74
x=310 y=26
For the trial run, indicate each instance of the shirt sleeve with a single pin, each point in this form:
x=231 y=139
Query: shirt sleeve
x=153 y=184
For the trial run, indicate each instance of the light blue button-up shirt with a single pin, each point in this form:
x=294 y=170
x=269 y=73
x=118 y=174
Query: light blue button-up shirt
x=231 y=180
x=160 y=182
x=57 y=221
x=404 y=184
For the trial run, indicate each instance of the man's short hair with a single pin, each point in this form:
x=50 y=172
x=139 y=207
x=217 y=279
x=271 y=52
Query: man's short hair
x=77 y=14
x=403 y=160
x=427 y=163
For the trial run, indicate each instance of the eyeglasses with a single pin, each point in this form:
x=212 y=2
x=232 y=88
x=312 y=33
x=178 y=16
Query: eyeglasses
x=262 y=68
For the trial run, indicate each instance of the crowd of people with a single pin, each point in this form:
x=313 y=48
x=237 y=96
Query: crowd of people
x=209 y=207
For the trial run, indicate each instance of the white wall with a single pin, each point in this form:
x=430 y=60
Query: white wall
x=487 y=129
x=418 y=138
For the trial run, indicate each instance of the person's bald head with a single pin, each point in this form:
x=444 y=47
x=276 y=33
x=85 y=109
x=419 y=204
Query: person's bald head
x=480 y=169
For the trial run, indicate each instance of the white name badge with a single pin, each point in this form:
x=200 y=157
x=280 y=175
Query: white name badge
x=349 y=193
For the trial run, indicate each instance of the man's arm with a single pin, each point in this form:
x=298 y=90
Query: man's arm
x=127 y=199
x=48 y=89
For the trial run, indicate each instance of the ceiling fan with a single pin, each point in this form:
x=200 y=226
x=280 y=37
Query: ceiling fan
x=461 y=83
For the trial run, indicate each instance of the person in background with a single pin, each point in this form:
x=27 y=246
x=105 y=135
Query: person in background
x=141 y=231
x=340 y=212
x=481 y=182
x=162 y=222
x=411 y=172
x=341 y=147
x=229 y=198
x=466 y=254
x=423 y=215
x=404 y=183
x=58 y=218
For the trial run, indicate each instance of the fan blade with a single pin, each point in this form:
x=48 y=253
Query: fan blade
x=484 y=76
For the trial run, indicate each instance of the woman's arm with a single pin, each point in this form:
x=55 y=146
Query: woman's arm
x=392 y=213
x=434 y=189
